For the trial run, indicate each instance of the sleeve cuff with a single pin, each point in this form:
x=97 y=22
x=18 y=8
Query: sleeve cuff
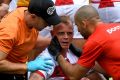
x=40 y=73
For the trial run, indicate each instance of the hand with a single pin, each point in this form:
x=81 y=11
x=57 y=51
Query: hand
x=54 y=48
x=3 y=10
x=75 y=50
x=4 y=6
x=40 y=64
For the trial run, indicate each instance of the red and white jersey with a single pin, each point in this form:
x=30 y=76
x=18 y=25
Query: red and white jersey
x=56 y=72
x=68 y=2
x=105 y=3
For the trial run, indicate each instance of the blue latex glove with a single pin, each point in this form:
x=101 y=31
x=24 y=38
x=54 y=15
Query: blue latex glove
x=40 y=64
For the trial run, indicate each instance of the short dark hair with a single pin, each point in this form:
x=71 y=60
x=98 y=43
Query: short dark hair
x=64 y=18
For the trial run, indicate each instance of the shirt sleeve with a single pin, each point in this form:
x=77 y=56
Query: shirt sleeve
x=91 y=52
x=7 y=37
x=45 y=54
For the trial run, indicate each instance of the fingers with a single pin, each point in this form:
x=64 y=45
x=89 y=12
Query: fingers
x=44 y=69
x=48 y=66
x=40 y=63
x=48 y=59
x=49 y=63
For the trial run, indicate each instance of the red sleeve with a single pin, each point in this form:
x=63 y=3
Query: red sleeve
x=40 y=73
x=91 y=51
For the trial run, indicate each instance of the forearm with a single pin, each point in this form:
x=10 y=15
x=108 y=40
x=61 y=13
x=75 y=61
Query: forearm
x=10 y=67
x=79 y=42
x=70 y=70
x=42 y=42
x=35 y=76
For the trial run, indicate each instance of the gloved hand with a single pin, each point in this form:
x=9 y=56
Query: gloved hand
x=54 y=48
x=75 y=50
x=40 y=64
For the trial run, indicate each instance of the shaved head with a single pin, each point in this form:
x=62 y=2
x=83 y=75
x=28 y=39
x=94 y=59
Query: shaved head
x=86 y=19
x=86 y=12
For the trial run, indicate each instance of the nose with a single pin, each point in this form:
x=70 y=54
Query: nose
x=66 y=36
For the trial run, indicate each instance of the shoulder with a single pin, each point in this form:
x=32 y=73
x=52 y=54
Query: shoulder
x=11 y=22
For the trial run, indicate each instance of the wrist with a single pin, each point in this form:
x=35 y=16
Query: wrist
x=26 y=66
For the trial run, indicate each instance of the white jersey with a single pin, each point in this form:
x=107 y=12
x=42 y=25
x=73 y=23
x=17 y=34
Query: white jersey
x=56 y=73
x=78 y=2
x=108 y=14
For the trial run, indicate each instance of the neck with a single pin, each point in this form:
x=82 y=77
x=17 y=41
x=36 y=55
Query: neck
x=27 y=19
x=93 y=26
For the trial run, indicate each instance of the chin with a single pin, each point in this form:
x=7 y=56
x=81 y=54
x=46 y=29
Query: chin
x=65 y=47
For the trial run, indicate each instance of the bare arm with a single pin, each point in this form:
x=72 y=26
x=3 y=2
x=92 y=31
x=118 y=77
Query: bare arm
x=78 y=42
x=10 y=67
x=35 y=76
x=74 y=72
x=41 y=44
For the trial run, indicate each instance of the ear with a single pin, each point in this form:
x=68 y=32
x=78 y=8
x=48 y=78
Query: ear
x=85 y=23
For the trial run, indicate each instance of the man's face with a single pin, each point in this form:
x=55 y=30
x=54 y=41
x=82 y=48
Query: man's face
x=82 y=29
x=35 y=21
x=39 y=23
x=64 y=34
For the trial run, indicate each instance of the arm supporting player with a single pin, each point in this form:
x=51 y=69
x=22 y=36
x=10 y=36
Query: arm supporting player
x=21 y=68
